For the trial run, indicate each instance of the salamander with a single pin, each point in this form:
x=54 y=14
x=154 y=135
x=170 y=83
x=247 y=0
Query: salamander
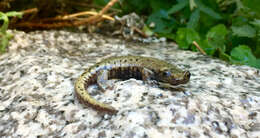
x=148 y=69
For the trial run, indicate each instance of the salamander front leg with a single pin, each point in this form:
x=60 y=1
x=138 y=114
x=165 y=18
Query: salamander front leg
x=102 y=80
x=169 y=87
x=147 y=76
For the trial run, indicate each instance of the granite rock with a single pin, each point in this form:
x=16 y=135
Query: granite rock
x=37 y=97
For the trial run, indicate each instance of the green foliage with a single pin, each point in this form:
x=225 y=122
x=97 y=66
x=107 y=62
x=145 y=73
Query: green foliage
x=185 y=37
x=256 y=23
x=244 y=31
x=216 y=37
x=163 y=23
x=253 y=5
x=243 y=55
x=203 y=8
x=179 y=6
x=5 y=36
x=194 y=19
x=227 y=29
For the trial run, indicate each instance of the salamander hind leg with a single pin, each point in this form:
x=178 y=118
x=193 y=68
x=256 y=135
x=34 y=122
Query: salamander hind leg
x=102 y=80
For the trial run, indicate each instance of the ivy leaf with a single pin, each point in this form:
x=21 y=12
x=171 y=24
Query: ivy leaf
x=178 y=6
x=162 y=21
x=216 y=37
x=252 y=4
x=207 y=10
x=128 y=6
x=244 y=31
x=206 y=47
x=258 y=63
x=194 y=19
x=168 y=35
x=224 y=56
x=243 y=55
x=157 y=5
x=192 y=4
x=256 y=23
x=185 y=37
x=239 y=21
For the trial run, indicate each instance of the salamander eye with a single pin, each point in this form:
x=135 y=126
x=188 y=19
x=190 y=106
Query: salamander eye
x=167 y=73
x=187 y=74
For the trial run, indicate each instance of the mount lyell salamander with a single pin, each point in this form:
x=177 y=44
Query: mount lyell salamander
x=150 y=70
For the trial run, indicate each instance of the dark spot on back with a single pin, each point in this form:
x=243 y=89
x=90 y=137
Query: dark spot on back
x=125 y=60
x=136 y=59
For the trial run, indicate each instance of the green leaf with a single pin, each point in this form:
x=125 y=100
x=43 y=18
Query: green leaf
x=194 y=19
x=178 y=7
x=239 y=21
x=224 y=56
x=137 y=6
x=185 y=37
x=168 y=35
x=252 y=4
x=207 y=10
x=256 y=23
x=244 y=31
x=192 y=4
x=162 y=21
x=206 y=47
x=243 y=55
x=258 y=63
x=216 y=37
x=160 y=4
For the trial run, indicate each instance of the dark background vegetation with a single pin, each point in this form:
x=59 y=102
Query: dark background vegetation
x=226 y=29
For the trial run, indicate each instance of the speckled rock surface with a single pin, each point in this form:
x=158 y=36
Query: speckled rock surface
x=37 y=93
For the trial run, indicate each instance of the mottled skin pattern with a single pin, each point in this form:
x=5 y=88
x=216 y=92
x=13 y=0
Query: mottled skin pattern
x=124 y=67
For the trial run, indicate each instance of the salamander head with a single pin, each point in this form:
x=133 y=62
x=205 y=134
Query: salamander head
x=173 y=76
